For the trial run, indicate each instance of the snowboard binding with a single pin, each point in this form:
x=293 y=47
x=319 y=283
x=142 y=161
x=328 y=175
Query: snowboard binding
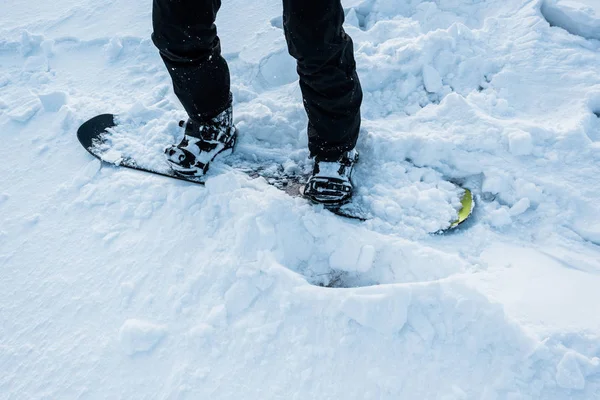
x=330 y=183
x=201 y=144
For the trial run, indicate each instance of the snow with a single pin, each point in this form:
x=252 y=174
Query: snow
x=579 y=17
x=568 y=374
x=53 y=101
x=432 y=79
x=118 y=284
x=138 y=336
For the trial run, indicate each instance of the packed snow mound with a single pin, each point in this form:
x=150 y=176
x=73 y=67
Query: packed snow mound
x=579 y=17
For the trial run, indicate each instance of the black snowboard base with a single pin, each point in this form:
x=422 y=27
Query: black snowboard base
x=91 y=135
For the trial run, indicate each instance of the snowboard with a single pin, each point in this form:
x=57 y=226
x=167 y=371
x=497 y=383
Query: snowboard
x=93 y=136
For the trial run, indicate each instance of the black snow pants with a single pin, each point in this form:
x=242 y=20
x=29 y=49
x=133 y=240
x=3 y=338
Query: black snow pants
x=186 y=36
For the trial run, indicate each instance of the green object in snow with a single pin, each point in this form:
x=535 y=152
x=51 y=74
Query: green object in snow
x=466 y=210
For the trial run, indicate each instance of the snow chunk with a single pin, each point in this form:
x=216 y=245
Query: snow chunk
x=495 y=184
x=112 y=156
x=520 y=207
x=386 y=313
x=500 y=217
x=25 y=111
x=47 y=47
x=568 y=372
x=53 y=101
x=113 y=49
x=530 y=190
x=520 y=143
x=352 y=18
x=432 y=79
x=579 y=17
x=137 y=336
x=30 y=43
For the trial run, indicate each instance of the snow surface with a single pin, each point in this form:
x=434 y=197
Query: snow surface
x=580 y=17
x=118 y=284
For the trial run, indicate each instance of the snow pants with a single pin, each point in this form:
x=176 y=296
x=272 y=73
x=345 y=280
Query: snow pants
x=186 y=36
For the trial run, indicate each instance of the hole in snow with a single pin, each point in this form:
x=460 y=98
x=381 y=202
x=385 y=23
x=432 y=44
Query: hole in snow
x=341 y=279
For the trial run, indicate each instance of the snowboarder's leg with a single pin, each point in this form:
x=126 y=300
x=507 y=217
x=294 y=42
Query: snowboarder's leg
x=186 y=36
x=331 y=91
x=328 y=79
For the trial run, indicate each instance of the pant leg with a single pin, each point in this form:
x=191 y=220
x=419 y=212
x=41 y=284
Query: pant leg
x=327 y=70
x=186 y=36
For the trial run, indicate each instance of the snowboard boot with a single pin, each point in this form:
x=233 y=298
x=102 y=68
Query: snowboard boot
x=330 y=183
x=202 y=142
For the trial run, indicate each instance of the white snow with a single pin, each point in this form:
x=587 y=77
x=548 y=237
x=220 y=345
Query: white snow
x=53 y=101
x=432 y=79
x=579 y=17
x=137 y=336
x=520 y=143
x=119 y=284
